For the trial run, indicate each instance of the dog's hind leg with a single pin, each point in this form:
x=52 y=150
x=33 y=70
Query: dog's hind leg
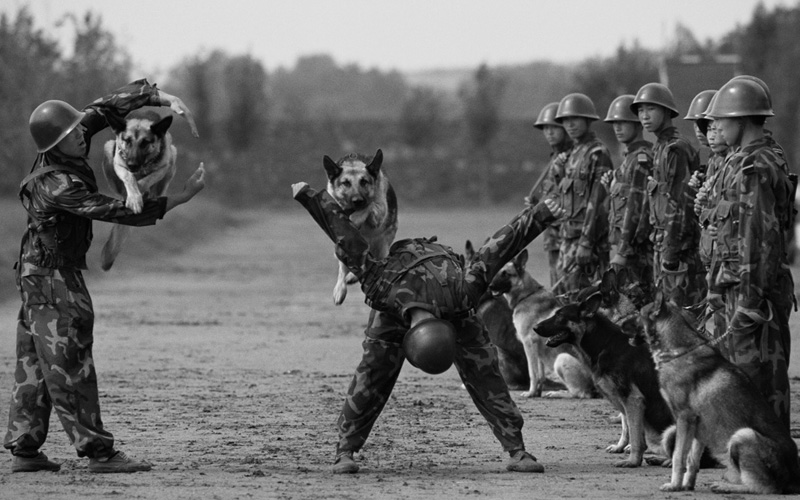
x=113 y=245
x=574 y=375
x=340 y=289
x=623 y=436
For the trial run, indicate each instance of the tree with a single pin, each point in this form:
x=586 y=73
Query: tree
x=482 y=98
x=422 y=117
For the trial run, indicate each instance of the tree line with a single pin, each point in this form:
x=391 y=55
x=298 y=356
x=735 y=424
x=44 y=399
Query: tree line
x=262 y=130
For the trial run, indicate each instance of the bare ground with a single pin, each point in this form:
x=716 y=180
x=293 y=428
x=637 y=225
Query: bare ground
x=226 y=365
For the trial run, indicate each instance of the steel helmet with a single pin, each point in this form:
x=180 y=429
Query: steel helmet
x=51 y=121
x=740 y=97
x=578 y=105
x=620 y=110
x=430 y=345
x=759 y=81
x=655 y=93
x=547 y=116
x=699 y=105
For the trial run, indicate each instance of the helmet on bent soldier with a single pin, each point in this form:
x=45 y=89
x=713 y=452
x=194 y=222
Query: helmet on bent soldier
x=51 y=121
x=430 y=345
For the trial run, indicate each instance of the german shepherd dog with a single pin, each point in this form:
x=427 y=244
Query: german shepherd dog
x=497 y=316
x=138 y=163
x=624 y=374
x=716 y=406
x=358 y=185
x=531 y=303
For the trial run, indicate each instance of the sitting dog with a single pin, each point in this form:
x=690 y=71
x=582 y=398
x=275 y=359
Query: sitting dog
x=138 y=163
x=531 y=302
x=716 y=406
x=497 y=316
x=358 y=184
x=624 y=374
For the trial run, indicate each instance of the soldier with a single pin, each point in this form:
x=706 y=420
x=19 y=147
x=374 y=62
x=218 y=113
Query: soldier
x=751 y=220
x=583 y=257
x=54 y=368
x=629 y=232
x=547 y=187
x=677 y=269
x=424 y=288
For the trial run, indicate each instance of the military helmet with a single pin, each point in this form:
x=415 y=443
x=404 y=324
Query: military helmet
x=740 y=97
x=547 y=116
x=655 y=93
x=430 y=345
x=620 y=110
x=759 y=81
x=51 y=121
x=576 y=105
x=699 y=105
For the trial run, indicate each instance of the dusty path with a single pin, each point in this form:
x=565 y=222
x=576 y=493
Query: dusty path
x=226 y=366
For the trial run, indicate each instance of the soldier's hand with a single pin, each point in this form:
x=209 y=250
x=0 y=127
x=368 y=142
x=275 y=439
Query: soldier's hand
x=297 y=187
x=619 y=262
x=554 y=208
x=180 y=109
x=696 y=180
x=583 y=256
x=716 y=301
x=197 y=181
x=606 y=179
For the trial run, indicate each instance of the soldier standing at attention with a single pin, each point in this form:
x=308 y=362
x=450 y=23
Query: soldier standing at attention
x=677 y=269
x=629 y=232
x=755 y=208
x=583 y=257
x=547 y=187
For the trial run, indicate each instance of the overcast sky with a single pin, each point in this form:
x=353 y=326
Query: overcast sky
x=407 y=35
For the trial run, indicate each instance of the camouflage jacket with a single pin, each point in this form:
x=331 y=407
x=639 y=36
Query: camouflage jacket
x=628 y=228
x=715 y=175
x=751 y=234
x=583 y=196
x=62 y=203
x=671 y=200
x=549 y=189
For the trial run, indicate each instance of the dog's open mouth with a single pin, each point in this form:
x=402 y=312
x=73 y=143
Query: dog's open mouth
x=558 y=339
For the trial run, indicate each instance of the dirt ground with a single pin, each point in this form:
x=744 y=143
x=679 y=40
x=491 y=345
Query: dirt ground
x=226 y=365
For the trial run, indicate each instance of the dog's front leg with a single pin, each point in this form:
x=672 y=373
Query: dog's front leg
x=340 y=289
x=534 y=389
x=133 y=197
x=685 y=427
x=634 y=413
x=693 y=464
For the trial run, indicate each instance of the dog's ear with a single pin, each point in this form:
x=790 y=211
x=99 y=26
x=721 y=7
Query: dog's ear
x=658 y=302
x=592 y=303
x=608 y=283
x=331 y=167
x=375 y=165
x=116 y=122
x=161 y=126
x=520 y=261
x=469 y=250
x=623 y=278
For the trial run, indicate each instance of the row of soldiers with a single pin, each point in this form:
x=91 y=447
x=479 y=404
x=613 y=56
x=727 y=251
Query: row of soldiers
x=712 y=238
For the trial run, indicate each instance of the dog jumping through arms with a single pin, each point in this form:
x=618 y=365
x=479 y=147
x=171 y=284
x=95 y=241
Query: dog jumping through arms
x=138 y=163
x=359 y=186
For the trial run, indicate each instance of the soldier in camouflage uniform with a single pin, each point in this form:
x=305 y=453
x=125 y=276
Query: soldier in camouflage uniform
x=422 y=275
x=54 y=368
x=755 y=208
x=629 y=232
x=583 y=257
x=560 y=144
x=677 y=269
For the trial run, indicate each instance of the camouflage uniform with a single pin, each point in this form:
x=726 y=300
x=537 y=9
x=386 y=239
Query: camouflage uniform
x=549 y=189
x=628 y=220
x=755 y=209
x=677 y=269
x=419 y=273
x=584 y=198
x=54 y=366
x=716 y=322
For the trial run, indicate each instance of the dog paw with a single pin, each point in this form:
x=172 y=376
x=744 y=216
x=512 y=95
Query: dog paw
x=528 y=394
x=615 y=449
x=628 y=464
x=671 y=487
x=339 y=294
x=135 y=203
